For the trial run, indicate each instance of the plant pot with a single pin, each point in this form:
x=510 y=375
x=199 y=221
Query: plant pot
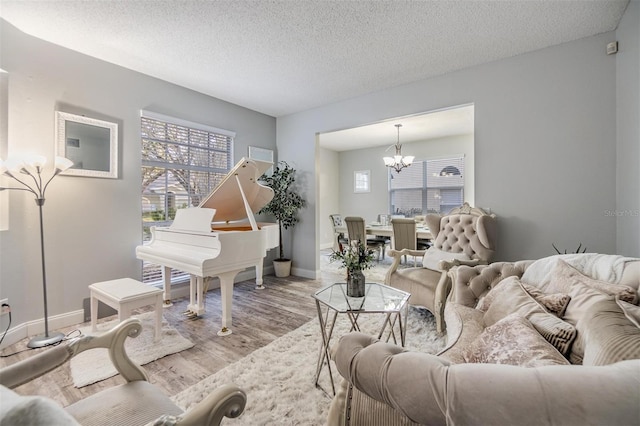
x=282 y=267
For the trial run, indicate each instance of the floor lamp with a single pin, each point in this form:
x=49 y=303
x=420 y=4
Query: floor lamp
x=32 y=167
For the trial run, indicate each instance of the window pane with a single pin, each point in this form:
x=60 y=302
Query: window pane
x=180 y=165
x=431 y=186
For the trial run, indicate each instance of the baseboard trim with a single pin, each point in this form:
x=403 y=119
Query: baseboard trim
x=36 y=327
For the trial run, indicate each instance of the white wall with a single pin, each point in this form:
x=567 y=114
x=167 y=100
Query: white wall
x=627 y=207
x=545 y=145
x=92 y=226
x=329 y=179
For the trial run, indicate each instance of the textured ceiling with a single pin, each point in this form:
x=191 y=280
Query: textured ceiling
x=281 y=57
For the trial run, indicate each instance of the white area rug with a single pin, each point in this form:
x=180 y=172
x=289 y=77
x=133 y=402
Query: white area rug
x=94 y=365
x=279 y=378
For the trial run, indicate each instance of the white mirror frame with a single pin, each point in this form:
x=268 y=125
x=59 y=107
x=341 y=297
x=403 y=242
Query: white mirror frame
x=61 y=144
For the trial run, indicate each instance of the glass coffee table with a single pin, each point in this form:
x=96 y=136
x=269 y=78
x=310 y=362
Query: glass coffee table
x=378 y=299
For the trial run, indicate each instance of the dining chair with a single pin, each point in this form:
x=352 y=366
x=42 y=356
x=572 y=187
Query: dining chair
x=404 y=237
x=339 y=239
x=356 y=231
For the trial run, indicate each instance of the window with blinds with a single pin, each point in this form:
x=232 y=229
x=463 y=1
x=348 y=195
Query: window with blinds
x=181 y=163
x=429 y=186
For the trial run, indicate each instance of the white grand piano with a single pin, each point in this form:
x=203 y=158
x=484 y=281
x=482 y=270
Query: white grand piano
x=220 y=238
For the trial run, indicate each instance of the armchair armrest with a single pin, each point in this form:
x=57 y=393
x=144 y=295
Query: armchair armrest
x=26 y=370
x=397 y=258
x=226 y=401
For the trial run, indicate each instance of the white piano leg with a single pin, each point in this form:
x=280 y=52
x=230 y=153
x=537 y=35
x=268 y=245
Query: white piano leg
x=166 y=278
x=226 y=296
x=259 y=267
x=196 y=295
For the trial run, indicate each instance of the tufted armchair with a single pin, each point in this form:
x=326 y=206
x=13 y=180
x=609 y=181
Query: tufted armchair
x=136 y=402
x=465 y=236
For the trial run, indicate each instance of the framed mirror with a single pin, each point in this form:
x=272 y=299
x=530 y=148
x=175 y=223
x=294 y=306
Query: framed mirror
x=91 y=144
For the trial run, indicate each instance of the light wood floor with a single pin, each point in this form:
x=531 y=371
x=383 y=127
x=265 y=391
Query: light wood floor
x=259 y=317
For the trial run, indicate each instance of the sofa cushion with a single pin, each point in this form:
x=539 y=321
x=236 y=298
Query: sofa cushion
x=556 y=303
x=559 y=333
x=564 y=277
x=513 y=340
x=512 y=298
x=464 y=325
x=609 y=335
x=584 y=292
x=509 y=297
x=433 y=256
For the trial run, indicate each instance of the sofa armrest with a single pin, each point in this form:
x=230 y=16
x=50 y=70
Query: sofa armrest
x=470 y=283
x=413 y=383
x=397 y=258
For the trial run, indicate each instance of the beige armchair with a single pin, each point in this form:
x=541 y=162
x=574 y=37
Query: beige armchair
x=136 y=402
x=465 y=236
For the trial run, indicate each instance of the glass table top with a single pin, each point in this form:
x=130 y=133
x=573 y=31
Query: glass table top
x=377 y=298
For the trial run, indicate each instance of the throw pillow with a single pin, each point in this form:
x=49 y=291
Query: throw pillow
x=487 y=300
x=564 y=276
x=584 y=292
x=433 y=256
x=632 y=312
x=559 y=333
x=514 y=341
x=555 y=303
x=512 y=298
x=609 y=335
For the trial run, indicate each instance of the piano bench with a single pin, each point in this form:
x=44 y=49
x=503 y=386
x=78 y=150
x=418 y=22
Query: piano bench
x=124 y=295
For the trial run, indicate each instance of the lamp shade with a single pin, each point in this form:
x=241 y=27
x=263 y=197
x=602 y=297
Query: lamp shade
x=62 y=164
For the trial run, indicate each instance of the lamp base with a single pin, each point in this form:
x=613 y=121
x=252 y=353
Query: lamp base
x=47 y=340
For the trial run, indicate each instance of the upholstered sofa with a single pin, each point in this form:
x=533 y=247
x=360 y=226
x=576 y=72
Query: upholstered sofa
x=549 y=342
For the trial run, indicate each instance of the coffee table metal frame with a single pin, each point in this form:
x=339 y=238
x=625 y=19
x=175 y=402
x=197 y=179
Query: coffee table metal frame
x=378 y=299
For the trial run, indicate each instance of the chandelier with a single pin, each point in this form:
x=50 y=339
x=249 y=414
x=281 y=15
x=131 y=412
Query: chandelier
x=398 y=162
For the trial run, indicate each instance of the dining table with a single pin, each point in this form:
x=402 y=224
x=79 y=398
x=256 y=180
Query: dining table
x=374 y=228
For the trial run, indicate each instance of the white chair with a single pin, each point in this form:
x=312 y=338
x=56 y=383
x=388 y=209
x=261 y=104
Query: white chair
x=134 y=403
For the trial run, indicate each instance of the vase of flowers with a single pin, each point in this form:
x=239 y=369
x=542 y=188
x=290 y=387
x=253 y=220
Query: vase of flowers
x=355 y=258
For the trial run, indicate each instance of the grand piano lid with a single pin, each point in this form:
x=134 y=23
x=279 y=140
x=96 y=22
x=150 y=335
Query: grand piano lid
x=226 y=197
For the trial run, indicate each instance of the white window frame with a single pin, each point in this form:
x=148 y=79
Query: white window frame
x=151 y=274
x=362 y=181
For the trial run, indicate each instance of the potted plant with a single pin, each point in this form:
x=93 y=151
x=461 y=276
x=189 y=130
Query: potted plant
x=355 y=258
x=284 y=206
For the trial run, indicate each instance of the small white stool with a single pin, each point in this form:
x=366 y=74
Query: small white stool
x=125 y=295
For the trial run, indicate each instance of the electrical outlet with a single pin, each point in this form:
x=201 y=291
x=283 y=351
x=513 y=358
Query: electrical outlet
x=4 y=309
